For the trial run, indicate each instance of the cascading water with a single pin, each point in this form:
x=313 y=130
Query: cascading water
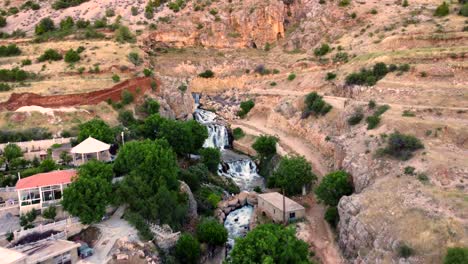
x=237 y=223
x=218 y=136
x=243 y=172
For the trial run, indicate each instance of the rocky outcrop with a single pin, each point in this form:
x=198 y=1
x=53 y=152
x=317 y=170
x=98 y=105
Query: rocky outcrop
x=235 y=202
x=175 y=102
x=250 y=24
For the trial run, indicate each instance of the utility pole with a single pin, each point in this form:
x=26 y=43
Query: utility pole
x=284 y=208
x=123 y=138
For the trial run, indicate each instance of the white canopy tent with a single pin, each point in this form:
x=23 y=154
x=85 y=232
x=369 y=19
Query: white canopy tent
x=91 y=146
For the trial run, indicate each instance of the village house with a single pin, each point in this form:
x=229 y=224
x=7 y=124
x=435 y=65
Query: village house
x=271 y=205
x=49 y=251
x=42 y=190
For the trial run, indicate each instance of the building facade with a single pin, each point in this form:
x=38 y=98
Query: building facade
x=271 y=205
x=48 y=251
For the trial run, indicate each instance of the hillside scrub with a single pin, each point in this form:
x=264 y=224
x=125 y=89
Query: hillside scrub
x=3 y=21
x=24 y=135
x=9 y=51
x=50 y=55
x=62 y=4
x=370 y=77
x=356 y=117
x=322 y=50
x=245 y=108
x=442 y=10
x=314 y=104
x=207 y=74
x=374 y=120
x=401 y=146
x=72 y=56
x=4 y=87
x=15 y=75
x=45 y=25
x=238 y=133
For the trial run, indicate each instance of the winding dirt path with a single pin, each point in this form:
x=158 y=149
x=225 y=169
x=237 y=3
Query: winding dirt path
x=315 y=231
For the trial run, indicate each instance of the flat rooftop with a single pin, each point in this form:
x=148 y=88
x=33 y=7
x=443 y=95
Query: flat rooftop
x=46 y=249
x=10 y=256
x=276 y=199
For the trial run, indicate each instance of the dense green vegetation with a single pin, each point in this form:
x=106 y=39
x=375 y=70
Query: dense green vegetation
x=50 y=55
x=293 y=173
x=442 y=10
x=62 y=4
x=211 y=157
x=97 y=129
x=187 y=249
x=402 y=146
x=370 y=77
x=270 y=243
x=245 y=108
x=456 y=255
x=238 y=133
x=15 y=75
x=211 y=232
x=9 y=50
x=24 y=135
x=4 y=87
x=207 y=74
x=334 y=186
x=314 y=104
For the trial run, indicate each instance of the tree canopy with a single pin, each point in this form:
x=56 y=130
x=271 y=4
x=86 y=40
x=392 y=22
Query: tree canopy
x=187 y=249
x=292 y=174
x=334 y=186
x=211 y=232
x=456 y=255
x=270 y=243
x=90 y=193
x=265 y=146
x=12 y=151
x=211 y=157
x=97 y=129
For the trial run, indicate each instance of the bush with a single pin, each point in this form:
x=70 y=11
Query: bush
x=82 y=24
x=211 y=157
x=402 y=146
x=314 y=104
x=45 y=25
x=3 y=21
x=110 y=12
x=211 y=232
x=24 y=135
x=134 y=58
x=140 y=224
x=341 y=57
x=291 y=76
x=371 y=104
x=116 y=78
x=134 y=11
x=456 y=255
x=330 y=76
x=67 y=23
x=123 y=34
x=62 y=4
x=50 y=55
x=127 y=97
x=344 y=3
x=442 y=10
x=464 y=10
x=126 y=118
x=149 y=107
x=26 y=62
x=404 y=251
x=14 y=75
x=238 y=133
x=206 y=74
x=372 y=121
x=72 y=56
x=322 y=50
x=265 y=146
x=4 y=87
x=245 y=108
x=332 y=216
x=50 y=213
x=147 y=72
x=334 y=186
x=409 y=170
x=356 y=117
x=9 y=51
x=187 y=249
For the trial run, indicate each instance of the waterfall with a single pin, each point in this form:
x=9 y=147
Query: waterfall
x=243 y=172
x=218 y=136
x=237 y=223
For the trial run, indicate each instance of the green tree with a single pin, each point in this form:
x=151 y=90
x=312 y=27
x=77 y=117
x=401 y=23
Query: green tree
x=97 y=129
x=211 y=232
x=50 y=55
x=211 y=157
x=67 y=23
x=132 y=154
x=265 y=146
x=150 y=107
x=292 y=174
x=126 y=118
x=72 y=56
x=334 y=186
x=65 y=158
x=187 y=249
x=3 y=21
x=123 y=34
x=456 y=255
x=127 y=97
x=270 y=243
x=88 y=195
x=11 y=152
x=48 y=165
x=199 y=133
x=50 y=212
x=442 y=10
x=207 y=74
x=45 y=25
x=94 y=168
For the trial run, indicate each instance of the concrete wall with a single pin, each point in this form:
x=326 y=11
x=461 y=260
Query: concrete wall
x=74 y=258
x=276 y=214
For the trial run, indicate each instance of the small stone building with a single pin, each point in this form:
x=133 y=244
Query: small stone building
x=271 y=205
x=49 y=251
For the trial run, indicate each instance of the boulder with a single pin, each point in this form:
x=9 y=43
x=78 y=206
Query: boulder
x=122 y=257
x=252 y=199
x=227 y=210
x=243 y=198
x=234 y=202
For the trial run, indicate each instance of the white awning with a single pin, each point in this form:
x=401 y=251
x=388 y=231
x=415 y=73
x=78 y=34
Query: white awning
x=90 y=145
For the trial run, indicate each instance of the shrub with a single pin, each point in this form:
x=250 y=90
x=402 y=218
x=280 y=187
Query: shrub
x=405 y=3
x=356 y=117
x=3 y=21
x=381 y=109
x=402 y=146
x=245 y=108
x=67 y=23
x=26 y=62
x=464 y=10
x=330 y=76
x=136 y=220
x=14 y=75
x=344 y=3
x=127 y=97
x=322 y=50
x=81 y=24
x=134 y=11
x=341 y=57
x=404 y=251
x=456 y=255
x=291 y=76
x=149 y=107
x=315 y=104
x=110 y=12
x=116 y=78
x=211 y=157
x=187 y=249
x=50 y=55
x=50 y=213
x=126 y=118
x=62 y=4
x=332 y=216
x=404 y=67
x=45 y=25
x=4 y=87
x=442 y=10
x=372 y=121
x=9 y=51
x=72 y=56
x=409 y=170
x=334 y=186
x=265 y=146
x=134 y=58
x=211 y=232
x=123 y=34
x=238 y=133
x=206 y=74
x=408 y=113
x=147 y=72
x=371 y=104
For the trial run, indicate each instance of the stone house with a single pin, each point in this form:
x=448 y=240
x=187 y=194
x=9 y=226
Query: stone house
x=271 y=205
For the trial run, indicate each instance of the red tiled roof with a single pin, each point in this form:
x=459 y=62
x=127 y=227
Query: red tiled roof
x=46 y=179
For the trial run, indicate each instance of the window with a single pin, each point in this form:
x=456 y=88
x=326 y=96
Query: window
x=30 y=196
x=64 y=258
x=51 y=193
x=292 y=215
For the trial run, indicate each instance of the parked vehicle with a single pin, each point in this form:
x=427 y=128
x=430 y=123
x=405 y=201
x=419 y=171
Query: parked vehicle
x=84 y=250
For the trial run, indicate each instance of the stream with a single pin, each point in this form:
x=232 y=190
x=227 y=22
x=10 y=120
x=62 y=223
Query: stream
x=240 y=168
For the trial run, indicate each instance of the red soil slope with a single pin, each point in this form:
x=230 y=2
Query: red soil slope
x=18 y=100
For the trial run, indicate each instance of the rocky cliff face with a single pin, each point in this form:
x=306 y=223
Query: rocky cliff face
x=175 y=102
x=247 y=24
